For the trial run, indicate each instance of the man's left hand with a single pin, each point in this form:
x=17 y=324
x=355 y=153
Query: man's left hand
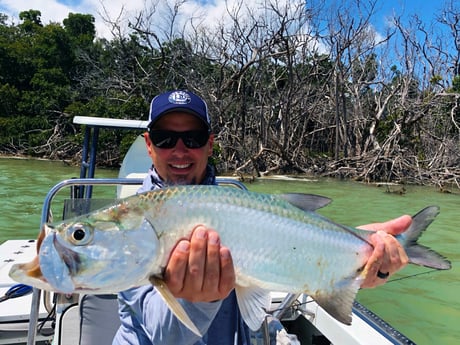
x=388 y=255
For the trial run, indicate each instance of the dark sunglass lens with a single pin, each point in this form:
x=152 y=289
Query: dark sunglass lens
x=195 y=139
x=163 y=139
x=168 y=139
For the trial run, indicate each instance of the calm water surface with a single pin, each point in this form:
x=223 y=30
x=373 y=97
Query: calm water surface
x=422 y=304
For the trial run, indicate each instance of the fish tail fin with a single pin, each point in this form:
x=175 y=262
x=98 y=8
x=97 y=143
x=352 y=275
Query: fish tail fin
x=339 y=302
x=418 y=254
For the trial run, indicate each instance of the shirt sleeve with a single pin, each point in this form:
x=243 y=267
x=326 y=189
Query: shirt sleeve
x=146 y=319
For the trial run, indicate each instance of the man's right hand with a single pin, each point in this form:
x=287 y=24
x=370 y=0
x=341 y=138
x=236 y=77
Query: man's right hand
x=200 y=269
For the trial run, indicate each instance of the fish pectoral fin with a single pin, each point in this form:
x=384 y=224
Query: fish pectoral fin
x=339 y=302
x=173 y=304
x=253 y=303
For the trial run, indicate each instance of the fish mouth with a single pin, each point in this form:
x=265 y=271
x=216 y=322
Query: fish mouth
x=34 y=272
x=54 y=266
x=58 y=263
x=70 y=258
x=30 y=271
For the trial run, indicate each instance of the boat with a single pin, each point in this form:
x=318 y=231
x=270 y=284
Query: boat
x=30 y=316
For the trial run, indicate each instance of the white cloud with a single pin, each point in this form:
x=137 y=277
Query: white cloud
x=207 y=12
x=54 y=11
x=50 y=10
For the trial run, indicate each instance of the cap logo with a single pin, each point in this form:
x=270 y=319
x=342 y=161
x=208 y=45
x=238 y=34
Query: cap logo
x=179 y=97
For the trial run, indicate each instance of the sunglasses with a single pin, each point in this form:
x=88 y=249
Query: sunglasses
x=164 y=139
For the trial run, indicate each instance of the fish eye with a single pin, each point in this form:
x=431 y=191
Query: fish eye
x=80 y=234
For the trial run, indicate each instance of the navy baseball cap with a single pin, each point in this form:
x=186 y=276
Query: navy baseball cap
x=178 y=100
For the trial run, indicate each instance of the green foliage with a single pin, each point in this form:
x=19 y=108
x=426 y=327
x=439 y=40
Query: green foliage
x=274 y=101
x=456 y=83
x=9 y=97
x=23 y=132
x=435 y=79
x=216 y=157
x=31 y=20
x=81 y=29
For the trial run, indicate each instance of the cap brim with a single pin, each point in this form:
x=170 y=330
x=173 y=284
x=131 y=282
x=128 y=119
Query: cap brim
x=179 y=109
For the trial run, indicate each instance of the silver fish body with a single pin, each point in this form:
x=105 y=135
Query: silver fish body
x=275 y=244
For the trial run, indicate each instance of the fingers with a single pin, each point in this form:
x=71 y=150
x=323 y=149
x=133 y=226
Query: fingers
x=200 y=269
x=393 y=226
x=207 y=271
x=387 y=258
x=174 y=274
x=227 y=272
x=197 y=260
x=388 y=255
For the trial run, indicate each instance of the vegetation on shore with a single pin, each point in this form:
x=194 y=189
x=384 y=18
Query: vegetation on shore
x=299 y=89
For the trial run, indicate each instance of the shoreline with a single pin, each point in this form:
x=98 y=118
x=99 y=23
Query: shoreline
x=5 y=156
x=392 y=186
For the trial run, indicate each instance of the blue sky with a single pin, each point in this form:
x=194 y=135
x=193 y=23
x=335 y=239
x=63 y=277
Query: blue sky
x=425 y=9
x=57 y=10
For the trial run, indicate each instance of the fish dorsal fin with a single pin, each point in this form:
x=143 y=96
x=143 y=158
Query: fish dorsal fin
x=339 y=302
x=306 y=202
x=173 y=304
x=253 y=303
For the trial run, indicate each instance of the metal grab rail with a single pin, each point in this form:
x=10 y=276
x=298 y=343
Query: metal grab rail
x=36 y=294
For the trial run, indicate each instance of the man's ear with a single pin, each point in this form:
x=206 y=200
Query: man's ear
x=148 y=143
x=210 y=142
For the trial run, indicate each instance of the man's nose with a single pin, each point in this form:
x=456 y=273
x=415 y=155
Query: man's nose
x=180 y=146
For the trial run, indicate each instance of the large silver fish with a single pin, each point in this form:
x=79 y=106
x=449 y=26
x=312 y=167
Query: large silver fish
x=277 y=244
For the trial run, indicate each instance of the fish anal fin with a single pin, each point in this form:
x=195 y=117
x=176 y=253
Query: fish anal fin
x=253 y=303
x=339 y=302
x=173 y=304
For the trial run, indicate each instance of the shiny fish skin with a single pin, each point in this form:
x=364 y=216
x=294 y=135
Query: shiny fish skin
x=275 y=246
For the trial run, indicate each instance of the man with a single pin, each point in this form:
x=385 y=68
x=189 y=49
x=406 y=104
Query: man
x=200 y=270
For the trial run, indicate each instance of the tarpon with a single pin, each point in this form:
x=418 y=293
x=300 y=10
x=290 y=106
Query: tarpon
x=277 y=244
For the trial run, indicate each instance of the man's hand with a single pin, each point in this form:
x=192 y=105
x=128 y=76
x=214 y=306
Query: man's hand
x=200 y=269
x=388 y=255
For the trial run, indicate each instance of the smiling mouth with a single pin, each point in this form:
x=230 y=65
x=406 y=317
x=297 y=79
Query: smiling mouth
x=181 y=166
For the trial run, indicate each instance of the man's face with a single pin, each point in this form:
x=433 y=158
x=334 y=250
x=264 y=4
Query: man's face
x=180 y=164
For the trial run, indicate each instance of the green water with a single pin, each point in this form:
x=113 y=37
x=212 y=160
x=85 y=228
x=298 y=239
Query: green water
x=422 y=304
x=23 y=186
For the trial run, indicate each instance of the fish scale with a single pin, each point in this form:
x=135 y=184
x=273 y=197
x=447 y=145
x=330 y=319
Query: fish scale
x=277 y=243
x=265 y=221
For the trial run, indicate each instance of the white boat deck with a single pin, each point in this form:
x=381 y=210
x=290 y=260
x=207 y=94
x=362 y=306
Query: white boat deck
x=14 y=313
x=11 y=252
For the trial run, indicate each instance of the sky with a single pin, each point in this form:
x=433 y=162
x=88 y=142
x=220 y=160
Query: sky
x=57 y=10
